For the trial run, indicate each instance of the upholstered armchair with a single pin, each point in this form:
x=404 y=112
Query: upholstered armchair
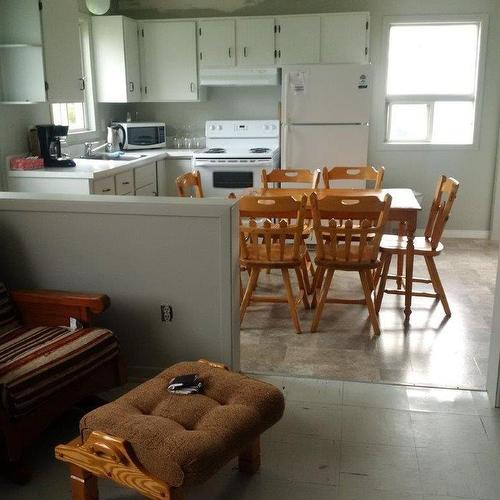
x=50 y=358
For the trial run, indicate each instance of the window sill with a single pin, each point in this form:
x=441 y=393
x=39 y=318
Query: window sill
x=83 y=136
x=421 y=146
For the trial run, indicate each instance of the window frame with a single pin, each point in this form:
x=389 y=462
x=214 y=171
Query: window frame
x=90 y=104
x=383 y=103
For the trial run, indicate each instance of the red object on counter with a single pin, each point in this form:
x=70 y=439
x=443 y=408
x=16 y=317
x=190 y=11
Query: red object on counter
x=26 y=163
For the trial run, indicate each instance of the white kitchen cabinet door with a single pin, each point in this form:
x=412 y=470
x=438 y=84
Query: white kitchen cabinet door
x=62 y=54
x=168 y=171
x=116 y=59
x=298 y=39
x=255 y=41
x=344 y=38
x=216 y=41
x=149 y=190
x=131 y=43
x=169 y=61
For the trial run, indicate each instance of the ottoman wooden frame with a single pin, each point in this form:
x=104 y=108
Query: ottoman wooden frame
x=110 y=457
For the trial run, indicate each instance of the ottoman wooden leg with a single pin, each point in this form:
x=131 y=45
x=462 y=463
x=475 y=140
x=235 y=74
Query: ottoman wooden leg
x=249 y=459
x=83 y=484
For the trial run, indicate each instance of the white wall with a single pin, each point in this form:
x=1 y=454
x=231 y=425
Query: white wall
x=417 y=169
x=142 y=252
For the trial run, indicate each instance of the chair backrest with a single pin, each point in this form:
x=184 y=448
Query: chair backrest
x=444 y=197
x=189 y=182
x=367 y=173
x=264 y=240
x=338 y=237
x=297 y=175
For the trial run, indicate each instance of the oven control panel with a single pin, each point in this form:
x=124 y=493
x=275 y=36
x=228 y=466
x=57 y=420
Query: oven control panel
x=242 y=129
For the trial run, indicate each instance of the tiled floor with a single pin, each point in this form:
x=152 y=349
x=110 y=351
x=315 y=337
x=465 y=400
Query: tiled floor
x=338 y=441
x=433 y=351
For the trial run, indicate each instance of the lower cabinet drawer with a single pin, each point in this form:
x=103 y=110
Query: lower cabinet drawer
x=125 y=182
x=145 y=175
x=149 y=190
x=105 y=186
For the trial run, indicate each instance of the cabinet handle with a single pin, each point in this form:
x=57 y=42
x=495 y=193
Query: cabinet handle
x=192 y=87
x=82 y=83
x=107 y=190
x=125 y=183
x=229 y=52
x=131 y=86
x=245 y=51
x=279 y=54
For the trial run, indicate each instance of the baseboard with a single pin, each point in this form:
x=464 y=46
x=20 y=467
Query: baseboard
x=466 y=233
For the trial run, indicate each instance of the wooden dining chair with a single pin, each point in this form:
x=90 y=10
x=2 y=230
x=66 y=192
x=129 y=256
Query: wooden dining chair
x=428 y=246
x=347 y=246
x=295 y=176
x=189 y=183
x=365 y=173
x=268 y=245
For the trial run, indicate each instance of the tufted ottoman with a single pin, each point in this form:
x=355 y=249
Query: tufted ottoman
x=157 y=442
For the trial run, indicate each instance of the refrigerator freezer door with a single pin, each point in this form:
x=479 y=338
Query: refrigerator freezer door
x=318 y=146
x=335 y=93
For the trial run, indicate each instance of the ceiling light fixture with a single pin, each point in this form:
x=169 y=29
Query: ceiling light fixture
x=98 y=7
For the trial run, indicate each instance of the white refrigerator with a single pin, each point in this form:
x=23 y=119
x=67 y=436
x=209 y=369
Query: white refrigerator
x=325 y=115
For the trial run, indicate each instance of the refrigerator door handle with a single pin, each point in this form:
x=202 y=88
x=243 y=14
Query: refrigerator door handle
x=285 y=142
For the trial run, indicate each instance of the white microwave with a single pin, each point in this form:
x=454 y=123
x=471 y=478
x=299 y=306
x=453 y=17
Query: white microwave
x=143 y=135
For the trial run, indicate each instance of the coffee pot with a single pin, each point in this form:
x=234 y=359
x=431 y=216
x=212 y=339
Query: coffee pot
x=116 y=138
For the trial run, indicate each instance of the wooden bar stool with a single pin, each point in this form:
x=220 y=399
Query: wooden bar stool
x=347 y=247
x=189 y=183
x=366 y=173
x=268 y=246
x=428 y=246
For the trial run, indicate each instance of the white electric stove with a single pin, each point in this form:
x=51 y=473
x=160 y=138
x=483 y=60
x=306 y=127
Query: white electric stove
x=236 y=153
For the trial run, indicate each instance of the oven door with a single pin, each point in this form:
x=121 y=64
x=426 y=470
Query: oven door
x=221 y=179
x=145 y=137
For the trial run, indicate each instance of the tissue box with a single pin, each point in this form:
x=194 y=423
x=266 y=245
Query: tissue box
x=26 y=163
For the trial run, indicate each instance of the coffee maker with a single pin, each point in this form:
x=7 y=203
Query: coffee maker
x=50 y=137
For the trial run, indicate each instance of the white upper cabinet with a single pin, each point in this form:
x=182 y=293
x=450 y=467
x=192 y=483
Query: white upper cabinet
x=217 y=44
x=62 y=54
x=298 y=39
x=344 y=38
x=255 y=41
x=169 y=61
x=116 y=59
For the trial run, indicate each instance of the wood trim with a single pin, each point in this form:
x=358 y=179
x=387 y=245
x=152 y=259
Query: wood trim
x=111 y=457
x=95 y=302
x=54 y=308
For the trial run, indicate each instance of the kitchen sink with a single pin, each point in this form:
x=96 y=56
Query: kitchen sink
x=112 y=157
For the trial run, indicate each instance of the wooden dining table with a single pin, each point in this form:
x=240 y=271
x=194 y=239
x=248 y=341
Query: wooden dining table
x=404 y=209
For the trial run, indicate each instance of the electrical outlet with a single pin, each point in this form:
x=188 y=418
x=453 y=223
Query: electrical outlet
x=167 y=313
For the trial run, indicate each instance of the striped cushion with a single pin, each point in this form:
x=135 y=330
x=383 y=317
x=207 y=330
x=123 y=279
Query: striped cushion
x=35 y=363
x=8 y=314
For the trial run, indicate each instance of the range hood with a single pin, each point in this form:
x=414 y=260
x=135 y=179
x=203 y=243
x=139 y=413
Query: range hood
x=233 y=77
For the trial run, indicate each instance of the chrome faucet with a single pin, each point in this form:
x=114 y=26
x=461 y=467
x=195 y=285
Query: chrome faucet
x=89 y=150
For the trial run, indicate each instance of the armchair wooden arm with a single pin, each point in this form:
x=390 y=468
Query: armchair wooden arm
x=54 y=308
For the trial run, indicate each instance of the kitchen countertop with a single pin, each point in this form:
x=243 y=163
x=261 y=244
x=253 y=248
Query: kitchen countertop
x=97 y=169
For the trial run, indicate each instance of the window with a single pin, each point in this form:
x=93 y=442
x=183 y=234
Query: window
x=79 y=116
x=432 y=74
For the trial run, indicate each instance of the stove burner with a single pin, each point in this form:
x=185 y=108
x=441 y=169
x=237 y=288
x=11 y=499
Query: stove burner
x=259 y=150
x=215 y=150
